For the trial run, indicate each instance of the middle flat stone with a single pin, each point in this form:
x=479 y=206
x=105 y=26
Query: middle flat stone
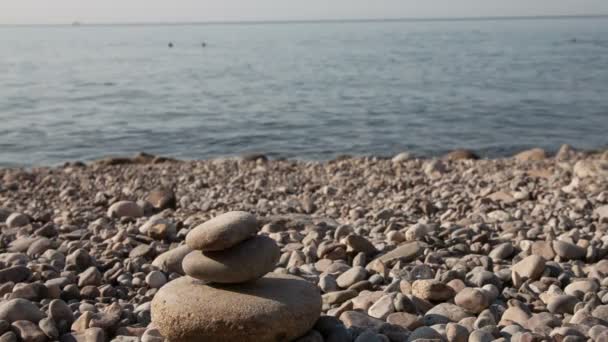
x=247 y=261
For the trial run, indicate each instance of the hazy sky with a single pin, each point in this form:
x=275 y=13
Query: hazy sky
x=66 y=11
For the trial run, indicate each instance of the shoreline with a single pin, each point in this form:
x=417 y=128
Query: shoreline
x=565 y=152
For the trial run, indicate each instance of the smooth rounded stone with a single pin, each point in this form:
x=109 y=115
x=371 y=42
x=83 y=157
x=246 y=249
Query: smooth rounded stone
x=14 y=259
x=28 y=331
x=31 y=291
x=125 y=209
x=596 y=331
x=171 y=260
x=601 y=212
x=337 y=268
x=424 y=333
x=15 y=274
x=405 y=319
x=383 y=307
x=480 y=336
x=461 y=154
x=531 y=267
x=491 y=292
x=80 y=259
x=162 y=230
x=87 y=307
x=405 y=253
x=486 y=318
x=456 y=284
x=359 y=244
x=141 y=251
x=601 y=312
x=543 y=322
x=158 y=227
x=351 y=277
x=515 y=314
x=581 y=287
x=162 y=198
x=323 y=264
x=49 y=328
x=223 y=231
x=511 y=330
x=456 y=333
x=273 y=308
x=535 y=154
x=479 y=278
x=366 y=299
x=20 y=309
x=361 y=285
x=156 y=279
x=59 y=311
x=432 y=290
x=543 y=249
x=16 y=220
x=444 y=313
x=88 y=335
x=327 y=283
x=244 y=262
x=568 y=251
x=562 y=304
x=8 y=336
x=38 y=247
x=403 y=303
x=502 y=251
x=91 y=276
x=339 y=297
x=472 y=300
x=21 y=244
x=360 y=320
x=82 y=322
x=403 y=156
x=108 y=318
x=603 y=337
x=560 y=332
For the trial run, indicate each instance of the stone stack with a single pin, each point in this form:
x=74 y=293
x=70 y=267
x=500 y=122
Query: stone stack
x=228 y=294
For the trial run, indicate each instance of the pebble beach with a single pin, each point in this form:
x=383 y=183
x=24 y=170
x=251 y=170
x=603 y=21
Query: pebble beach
x=368 y=249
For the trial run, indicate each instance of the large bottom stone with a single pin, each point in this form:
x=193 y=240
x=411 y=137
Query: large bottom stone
x=275 y=308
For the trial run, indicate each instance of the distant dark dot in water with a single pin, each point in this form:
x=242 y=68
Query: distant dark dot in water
x=203 y=44
x=109 y=84
x=170 y=45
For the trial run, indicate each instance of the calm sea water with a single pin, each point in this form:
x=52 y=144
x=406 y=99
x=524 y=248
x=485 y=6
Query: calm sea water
x=302 y=90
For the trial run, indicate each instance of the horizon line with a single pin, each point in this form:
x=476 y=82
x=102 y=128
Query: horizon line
x=314 y=21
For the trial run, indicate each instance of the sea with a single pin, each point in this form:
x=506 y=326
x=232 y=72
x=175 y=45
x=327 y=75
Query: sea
x=302 y=90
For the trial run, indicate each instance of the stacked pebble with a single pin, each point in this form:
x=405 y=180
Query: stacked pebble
x=227 y=250
x=228 y=295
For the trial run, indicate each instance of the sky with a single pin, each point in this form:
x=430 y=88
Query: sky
x=140 y=11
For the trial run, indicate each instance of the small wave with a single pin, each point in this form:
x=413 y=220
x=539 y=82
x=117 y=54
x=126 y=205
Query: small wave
x=594 y=42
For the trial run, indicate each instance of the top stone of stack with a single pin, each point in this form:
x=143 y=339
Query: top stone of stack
x=223 y=232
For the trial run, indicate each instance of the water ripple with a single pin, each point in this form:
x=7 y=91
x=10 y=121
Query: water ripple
x=303 y=90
